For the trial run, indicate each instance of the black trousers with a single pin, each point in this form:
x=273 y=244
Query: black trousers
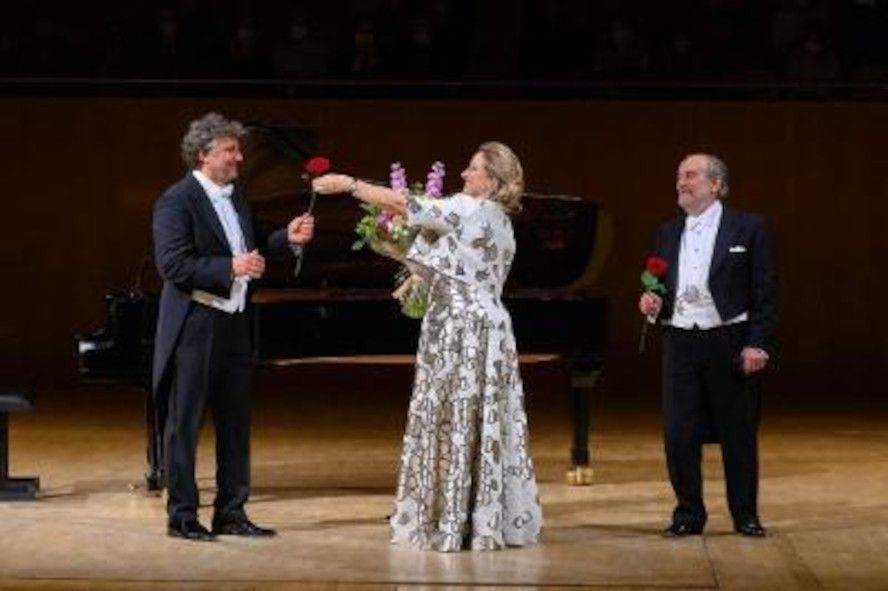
x=705 y=393
x=212 y=368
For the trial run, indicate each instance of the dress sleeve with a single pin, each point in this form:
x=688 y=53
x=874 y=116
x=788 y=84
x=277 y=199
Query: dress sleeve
x=439 y=215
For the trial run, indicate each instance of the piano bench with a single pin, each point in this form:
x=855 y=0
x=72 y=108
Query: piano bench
x=13 y=489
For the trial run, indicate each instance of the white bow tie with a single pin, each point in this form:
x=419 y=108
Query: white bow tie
x=226 y=191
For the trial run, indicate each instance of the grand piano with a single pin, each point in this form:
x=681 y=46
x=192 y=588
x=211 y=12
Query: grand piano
x=342 y=303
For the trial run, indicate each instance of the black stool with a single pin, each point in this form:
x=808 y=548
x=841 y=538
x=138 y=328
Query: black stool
x=13 y=489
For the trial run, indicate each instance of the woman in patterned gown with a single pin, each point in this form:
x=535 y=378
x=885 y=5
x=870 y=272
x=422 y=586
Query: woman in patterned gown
x=466 y=477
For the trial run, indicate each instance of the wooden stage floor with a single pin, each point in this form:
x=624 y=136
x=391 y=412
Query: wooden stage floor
x=323 y=471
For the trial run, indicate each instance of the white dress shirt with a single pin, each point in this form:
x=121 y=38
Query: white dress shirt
x=694 y=306
x=220 y=197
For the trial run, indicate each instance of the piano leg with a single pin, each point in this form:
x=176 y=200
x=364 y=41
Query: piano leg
x=155 y=419
x=582 y=383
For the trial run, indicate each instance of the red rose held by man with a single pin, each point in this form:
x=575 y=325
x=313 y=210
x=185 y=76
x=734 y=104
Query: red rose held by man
x=656 y=266
x=317 y=165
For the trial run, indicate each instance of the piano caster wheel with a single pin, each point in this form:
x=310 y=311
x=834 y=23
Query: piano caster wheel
x=153 y=485
x=579 y=476
x=146 y=489
x=154 y=481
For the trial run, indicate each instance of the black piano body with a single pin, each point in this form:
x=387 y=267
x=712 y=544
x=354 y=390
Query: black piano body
x=341 y=306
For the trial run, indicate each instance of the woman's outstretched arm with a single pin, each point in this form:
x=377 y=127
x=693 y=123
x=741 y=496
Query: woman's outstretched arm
x=382 y=196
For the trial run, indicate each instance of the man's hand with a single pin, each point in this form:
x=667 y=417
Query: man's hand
x=753 y=359
x=333 y=183
x=650 y=304
x=300 y=230
x=250 y=264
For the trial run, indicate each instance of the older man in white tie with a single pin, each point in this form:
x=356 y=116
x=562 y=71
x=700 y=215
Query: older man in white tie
x=719 y=314
x=207 y=249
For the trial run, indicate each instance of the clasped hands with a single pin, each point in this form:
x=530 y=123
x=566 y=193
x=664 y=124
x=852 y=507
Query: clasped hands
x=251 y=264
x=248 y=264
x=752 y=359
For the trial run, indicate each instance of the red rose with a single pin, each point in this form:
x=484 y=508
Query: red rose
x=317 y=165
x=656 y=266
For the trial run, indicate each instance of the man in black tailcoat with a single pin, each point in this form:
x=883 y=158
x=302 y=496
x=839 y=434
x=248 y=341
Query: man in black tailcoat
x=718 y=312
x=208 y=249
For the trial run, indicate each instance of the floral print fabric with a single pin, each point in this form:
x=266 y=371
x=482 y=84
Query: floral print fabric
x=468 y=239
x=466 y=478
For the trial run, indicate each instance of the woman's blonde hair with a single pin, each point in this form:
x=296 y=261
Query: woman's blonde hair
x=503 y=166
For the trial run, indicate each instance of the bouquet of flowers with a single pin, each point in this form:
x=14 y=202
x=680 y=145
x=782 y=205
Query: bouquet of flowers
x=386 y=233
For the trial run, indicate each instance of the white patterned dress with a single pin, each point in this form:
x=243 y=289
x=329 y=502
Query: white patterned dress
x=466 y=478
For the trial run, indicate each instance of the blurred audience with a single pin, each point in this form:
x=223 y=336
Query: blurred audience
x=570 y=40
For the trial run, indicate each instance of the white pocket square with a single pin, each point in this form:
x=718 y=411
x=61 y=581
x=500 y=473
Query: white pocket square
x=738 y=248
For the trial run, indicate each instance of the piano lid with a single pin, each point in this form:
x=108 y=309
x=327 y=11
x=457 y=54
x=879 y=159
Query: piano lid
x=558 y=236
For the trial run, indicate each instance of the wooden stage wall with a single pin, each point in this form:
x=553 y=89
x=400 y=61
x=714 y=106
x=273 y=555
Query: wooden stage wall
x=80 y=177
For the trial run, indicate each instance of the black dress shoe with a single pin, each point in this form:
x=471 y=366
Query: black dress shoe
x=751 y=528
x=241 y=526
x=680 y=530
x=189 y=529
